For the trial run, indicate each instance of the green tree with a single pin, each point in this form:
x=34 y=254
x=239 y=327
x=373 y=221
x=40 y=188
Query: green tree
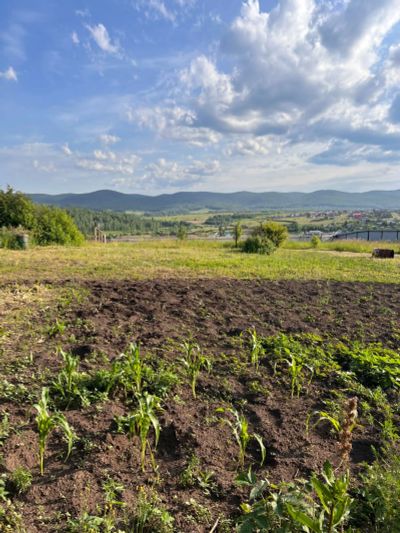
x=54 y=225
x=237 y=233
x=16 y=209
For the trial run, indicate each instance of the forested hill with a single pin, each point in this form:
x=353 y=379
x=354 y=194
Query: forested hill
x=239 y=201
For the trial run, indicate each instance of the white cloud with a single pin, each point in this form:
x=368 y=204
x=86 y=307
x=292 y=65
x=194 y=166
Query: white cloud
x=9 y=74
x=101 y=37
x=304 y=70
x=109 y=162
x=49 y=167
x=164 y=173
x=75 y=38
x=67 y=150
x=104 y=156
x=108 y=139
x=173 y=122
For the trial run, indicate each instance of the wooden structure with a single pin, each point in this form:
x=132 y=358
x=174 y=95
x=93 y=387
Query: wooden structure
x=100 y=236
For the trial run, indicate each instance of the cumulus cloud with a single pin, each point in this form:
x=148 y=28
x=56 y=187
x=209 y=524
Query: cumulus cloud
x=173 y=122
x=9 y=74
x=101 y=37
x=173 y=174
x=302 y=70
x=108 y=139
x=109 y=162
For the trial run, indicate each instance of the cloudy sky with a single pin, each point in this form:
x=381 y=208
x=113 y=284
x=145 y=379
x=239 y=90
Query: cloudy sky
x=157 y=96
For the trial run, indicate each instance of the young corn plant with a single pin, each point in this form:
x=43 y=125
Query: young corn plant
x=297 y=375
x=240 y=430
x=67 y=385
x=193 y=362
x=256 y=348
x=46 y=423
x=140 y=423
x=127 y=371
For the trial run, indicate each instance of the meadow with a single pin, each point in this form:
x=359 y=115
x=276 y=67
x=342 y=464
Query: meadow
x=198 y=258
x=169 y=386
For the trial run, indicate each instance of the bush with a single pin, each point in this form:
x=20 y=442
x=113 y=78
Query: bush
x=256 y=245
x=315 y=241
x=265 y=238
x=272 y=231
x=16 y=210
x=55 y=226
x=10 y=239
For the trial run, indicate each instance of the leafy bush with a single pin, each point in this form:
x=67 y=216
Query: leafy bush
x=257 y=245
x=10 y=239
x=16 y=210
x=53 y=225
x=315 y=241
x=265 y=238
x=272 y=231
x=48 y=224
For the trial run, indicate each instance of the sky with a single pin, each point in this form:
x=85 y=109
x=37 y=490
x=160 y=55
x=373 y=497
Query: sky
x=157 y=96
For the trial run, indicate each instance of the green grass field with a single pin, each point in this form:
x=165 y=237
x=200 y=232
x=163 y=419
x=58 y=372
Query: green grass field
x=171 y=258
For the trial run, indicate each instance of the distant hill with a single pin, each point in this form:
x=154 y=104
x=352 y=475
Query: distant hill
x=181 y=202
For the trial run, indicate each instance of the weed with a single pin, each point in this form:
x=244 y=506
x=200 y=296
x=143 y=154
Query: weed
x=149 y=515
x=57 y=328
x=194 y=476
x=21 y=480
x=377 y=501
x=5 y=428
x=319 y=506
x=46 y=423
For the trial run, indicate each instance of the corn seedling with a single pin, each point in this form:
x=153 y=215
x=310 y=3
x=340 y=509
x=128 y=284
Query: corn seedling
x=240 y=430
x=297 y=377
x=57 y=328
x=193 y=362
x=67 y=385
x=256 y=348
x=127 y=371
x=46 y=423
x=140 y=422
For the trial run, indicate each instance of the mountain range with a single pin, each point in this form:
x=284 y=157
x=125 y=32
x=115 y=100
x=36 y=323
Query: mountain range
x=182 y=202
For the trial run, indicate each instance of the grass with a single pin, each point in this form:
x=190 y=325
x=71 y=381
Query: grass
x=170 y=258
x=353 y=246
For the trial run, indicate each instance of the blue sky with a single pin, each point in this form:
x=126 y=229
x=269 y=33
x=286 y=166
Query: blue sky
x=157 y=96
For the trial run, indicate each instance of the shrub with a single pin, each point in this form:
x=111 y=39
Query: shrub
x=53 y=225
x=272 y=231
x=16 y=209
x=256 y=245
x=10 y=239
x=315 y=241
x=265 y=238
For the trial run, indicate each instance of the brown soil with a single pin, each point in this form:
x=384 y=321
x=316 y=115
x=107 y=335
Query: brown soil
x=215 y=313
